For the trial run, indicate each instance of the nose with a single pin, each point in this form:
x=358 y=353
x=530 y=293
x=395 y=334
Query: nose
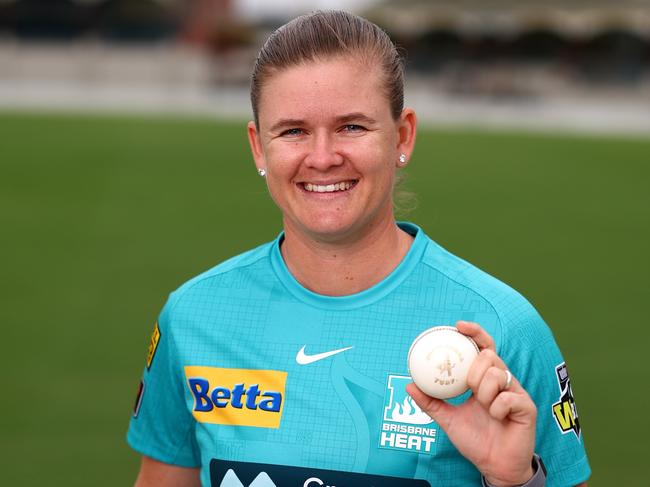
x=323 y=153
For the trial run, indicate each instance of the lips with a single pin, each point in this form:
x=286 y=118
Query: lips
x=332 y=187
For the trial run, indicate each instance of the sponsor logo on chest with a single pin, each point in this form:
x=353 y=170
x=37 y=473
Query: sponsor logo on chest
x=242 y=397
x=405 y=426
x=224 y=473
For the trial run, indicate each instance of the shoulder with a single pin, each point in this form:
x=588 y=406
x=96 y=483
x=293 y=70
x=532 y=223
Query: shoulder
x=221 y=276
x=516 y=317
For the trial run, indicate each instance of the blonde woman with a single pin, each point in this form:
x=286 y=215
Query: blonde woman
x=286 y=365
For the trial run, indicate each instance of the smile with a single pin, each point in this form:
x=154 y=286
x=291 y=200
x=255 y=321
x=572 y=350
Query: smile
x=329 y=188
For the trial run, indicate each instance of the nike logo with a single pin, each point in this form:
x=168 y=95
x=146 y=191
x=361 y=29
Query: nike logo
x=303 y=359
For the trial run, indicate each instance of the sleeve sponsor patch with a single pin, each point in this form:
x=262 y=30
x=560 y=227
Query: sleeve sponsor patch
x=138 y=399
x=153 y=345
x=564 y=411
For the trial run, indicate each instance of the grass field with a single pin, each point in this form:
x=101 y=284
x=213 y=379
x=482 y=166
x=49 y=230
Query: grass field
x=101 y=217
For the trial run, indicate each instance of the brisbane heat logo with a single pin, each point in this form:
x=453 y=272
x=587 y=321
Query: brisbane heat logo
x=241 y=397
x=405 y=426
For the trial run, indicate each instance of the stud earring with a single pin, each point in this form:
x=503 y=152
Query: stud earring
x=261 y=172
x=402 y=159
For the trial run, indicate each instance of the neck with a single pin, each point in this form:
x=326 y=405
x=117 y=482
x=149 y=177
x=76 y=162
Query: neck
x=348 y=266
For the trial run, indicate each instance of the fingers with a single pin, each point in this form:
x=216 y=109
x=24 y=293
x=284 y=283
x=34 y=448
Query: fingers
x=486 y=360
x=503 y=400
x=476 y=333
x=516 y=406
x=489 y=378
x=438 y=409
x=490 y=387
x=424 y=401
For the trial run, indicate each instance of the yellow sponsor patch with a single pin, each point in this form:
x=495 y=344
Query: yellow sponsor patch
x=153 y=345
x=564 y=411
x=242 y=397
x=564 y=416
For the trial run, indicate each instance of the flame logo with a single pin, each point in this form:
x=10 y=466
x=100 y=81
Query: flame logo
x=409 y=412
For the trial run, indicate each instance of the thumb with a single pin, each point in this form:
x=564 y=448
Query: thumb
x=439 y=410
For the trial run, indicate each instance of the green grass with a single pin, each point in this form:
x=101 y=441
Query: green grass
x=102 y=216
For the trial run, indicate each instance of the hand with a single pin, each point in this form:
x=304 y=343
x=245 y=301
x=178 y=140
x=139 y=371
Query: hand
x=495 y=428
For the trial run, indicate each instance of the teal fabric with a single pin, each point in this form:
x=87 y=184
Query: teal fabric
x=250 y=313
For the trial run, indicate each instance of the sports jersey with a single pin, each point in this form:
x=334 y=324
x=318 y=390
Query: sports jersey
x=261 y=382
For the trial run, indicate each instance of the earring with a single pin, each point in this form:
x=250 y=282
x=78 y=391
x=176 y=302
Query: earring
x=402 y=159
x=261 y=172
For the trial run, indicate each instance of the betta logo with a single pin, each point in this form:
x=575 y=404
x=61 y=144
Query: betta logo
x=220 y=397
x=239 y=397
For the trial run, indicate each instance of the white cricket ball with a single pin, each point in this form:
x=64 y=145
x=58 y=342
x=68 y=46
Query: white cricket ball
x=439 y=360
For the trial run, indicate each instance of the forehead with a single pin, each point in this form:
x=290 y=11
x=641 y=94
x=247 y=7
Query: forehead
x=324 y=87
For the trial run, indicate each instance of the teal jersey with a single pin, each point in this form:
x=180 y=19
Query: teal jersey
x=260 y=382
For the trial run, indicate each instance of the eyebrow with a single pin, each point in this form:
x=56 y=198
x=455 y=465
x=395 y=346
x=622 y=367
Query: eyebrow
x=285 y=123
x=348 y=117
x=355 y=117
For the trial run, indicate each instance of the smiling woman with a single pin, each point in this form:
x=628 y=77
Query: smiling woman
x=330 y=147
x=286 y=365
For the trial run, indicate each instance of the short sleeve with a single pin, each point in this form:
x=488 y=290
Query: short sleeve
x=161 y=426
x=530 y=351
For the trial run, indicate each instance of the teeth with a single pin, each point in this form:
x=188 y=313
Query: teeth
x=330 y=188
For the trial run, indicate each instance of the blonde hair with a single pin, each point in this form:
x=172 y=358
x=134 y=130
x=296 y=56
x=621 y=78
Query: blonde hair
x=327 y=34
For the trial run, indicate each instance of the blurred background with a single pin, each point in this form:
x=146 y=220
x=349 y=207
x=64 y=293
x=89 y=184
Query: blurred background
x=578 y=64
x=124 y=171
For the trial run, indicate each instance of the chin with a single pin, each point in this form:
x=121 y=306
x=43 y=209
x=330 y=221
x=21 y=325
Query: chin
x=329 y=230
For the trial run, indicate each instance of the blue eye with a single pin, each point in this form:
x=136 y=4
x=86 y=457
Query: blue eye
x=292 y=132
x=351 y=127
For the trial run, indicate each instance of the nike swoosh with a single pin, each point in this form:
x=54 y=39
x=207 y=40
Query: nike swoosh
x=303 y=359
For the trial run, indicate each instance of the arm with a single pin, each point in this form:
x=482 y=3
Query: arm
x=157 y=474
x=495 y=428
x=161 y=426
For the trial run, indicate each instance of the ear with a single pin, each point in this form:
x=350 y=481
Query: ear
x=406 y=128
x=256 y=146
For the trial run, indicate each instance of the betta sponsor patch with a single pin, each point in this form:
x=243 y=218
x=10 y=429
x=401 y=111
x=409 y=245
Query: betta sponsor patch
x=241 y=397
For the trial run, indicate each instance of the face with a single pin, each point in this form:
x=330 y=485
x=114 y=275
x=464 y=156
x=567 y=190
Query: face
x=330 y=147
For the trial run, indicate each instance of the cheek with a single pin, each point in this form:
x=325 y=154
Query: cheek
x=275 y=183
x=279 y=181
x=278 y=195
x=386 y=175
x=283 y=159
x=380 y=164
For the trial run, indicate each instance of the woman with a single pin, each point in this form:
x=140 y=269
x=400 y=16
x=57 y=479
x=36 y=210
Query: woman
x=286 y=365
